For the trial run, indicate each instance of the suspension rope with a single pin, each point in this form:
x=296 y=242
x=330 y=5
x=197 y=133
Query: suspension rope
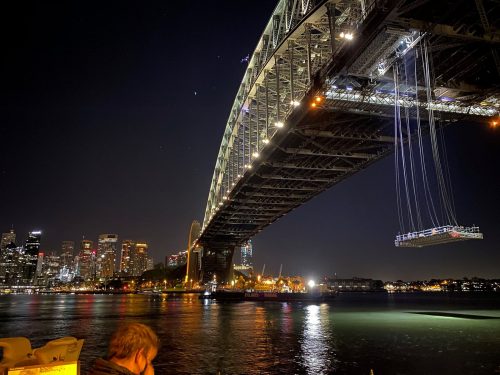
x=399 y=129
x=448 y=211
x=410 y=150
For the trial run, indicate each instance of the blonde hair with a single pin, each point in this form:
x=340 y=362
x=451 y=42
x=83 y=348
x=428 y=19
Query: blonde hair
x=129 y=338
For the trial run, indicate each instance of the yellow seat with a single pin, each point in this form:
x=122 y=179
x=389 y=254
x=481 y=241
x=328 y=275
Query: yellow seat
x=68 y=340
x=47 y=354
x=15 y=349
x=74 y=350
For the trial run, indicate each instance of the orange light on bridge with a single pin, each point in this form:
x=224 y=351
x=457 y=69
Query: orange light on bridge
x=317 y=101
x=494 y=123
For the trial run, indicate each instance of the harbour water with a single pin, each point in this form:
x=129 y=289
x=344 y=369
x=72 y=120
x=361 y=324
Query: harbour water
x=387 y=333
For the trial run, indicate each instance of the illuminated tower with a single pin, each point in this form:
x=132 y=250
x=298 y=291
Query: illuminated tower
x=139 y=258
x=67 y=254
x=128 y=246
x=193 y=254
x=30 y=259
x=86 y=260
x=106 y=254
x=247 y=255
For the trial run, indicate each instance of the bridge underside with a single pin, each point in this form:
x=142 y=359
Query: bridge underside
x=265 y=171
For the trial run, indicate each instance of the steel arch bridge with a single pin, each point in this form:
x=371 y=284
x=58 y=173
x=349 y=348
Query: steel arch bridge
x=277 y=151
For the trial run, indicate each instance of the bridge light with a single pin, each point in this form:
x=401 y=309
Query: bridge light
x=311 y=284
x=255 y=155
x=318 y=99
x=314 y=105
x=295 y=103
x=279 y=124
x=494 y=123
x=348 y=36
x=239 y=176
x=265 y=141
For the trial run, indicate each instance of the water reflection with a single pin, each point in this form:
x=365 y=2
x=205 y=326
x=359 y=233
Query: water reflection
x=205 y=337
x=317 y=341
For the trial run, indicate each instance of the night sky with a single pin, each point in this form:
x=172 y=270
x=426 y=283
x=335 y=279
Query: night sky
x=112 y=113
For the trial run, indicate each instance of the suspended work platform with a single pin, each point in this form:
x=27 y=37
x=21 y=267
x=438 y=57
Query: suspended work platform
x=437 y=236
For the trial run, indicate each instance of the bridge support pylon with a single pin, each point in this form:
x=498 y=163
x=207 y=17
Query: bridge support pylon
x=217 y=263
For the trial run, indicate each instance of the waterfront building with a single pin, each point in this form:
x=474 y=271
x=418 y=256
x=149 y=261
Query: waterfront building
x=128 y=247
x=29 y=257
x=86 y=260
x=355 y=284
x=106 y=255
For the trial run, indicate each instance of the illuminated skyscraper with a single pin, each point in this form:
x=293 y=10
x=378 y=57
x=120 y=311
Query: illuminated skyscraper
x=10 y=265
x=246 y=259
x=30 y=258
x=106 y=254
x=67 y=254
x=139 y=259
x=128 y=246
x=86 y=261
x=247 y=255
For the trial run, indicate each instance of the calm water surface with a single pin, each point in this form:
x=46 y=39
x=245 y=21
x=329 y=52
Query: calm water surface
x=390 y=334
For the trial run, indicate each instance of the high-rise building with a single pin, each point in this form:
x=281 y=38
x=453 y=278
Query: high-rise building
x=247 y=254
x=30 y=258
x=7 y=255
x=246 y=259
x=106 y=254
x=139 y=259
x=151 y=264
x=10 y=265
x=128 y=247
x=50 y=269
x=86 y=264
x=67 y=255
x=7 y=238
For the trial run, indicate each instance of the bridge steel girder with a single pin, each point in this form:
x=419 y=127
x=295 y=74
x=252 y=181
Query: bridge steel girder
x=275 y=147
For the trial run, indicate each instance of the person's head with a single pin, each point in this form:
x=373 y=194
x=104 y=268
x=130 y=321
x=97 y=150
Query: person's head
x=134 y=346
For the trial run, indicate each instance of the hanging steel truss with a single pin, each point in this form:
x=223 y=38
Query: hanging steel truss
x=277 y=152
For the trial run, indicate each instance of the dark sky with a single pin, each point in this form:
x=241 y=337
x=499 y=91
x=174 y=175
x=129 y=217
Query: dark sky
x=111 y=119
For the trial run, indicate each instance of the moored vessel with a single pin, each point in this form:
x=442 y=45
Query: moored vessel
x=230 y=295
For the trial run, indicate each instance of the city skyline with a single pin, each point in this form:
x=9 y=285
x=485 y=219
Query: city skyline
x=121 y=126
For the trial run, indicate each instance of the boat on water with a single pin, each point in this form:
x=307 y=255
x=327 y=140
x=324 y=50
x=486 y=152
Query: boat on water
x=230 y=295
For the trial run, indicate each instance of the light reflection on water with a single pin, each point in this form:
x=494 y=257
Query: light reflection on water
x=317 y=341
x=349 y=336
